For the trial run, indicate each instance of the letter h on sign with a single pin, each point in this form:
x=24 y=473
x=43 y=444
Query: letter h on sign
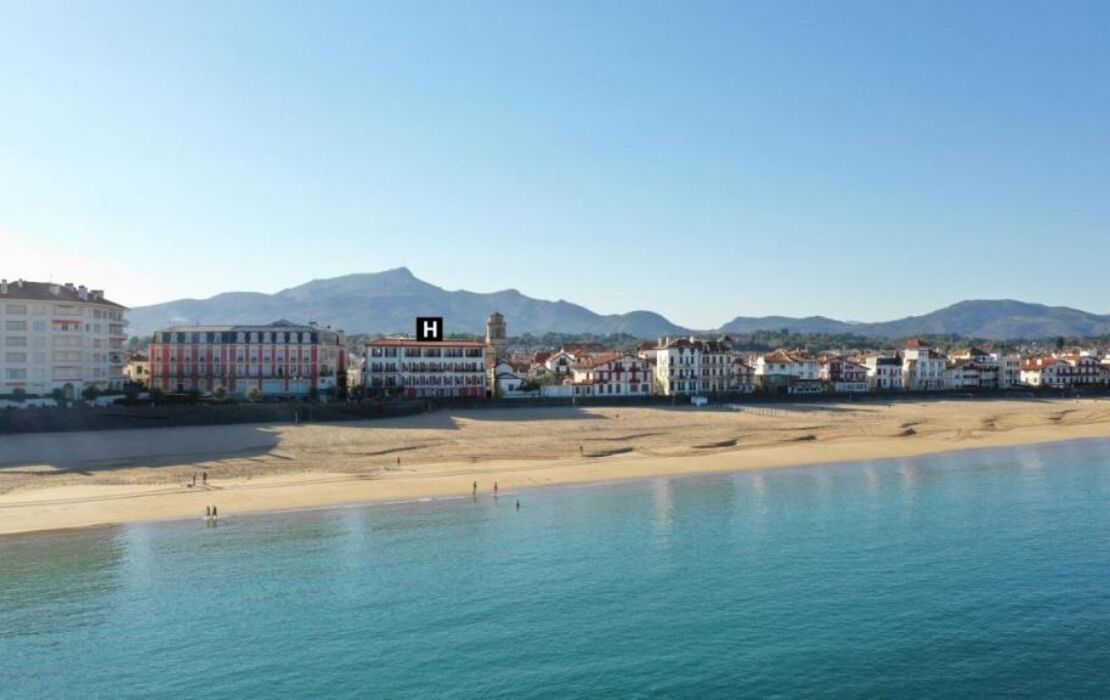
x=429 y=328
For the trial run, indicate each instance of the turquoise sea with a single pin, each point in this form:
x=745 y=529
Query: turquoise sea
x=971 y=574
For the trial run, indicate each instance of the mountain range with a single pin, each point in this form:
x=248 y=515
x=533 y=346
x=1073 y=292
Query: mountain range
x=388 y=302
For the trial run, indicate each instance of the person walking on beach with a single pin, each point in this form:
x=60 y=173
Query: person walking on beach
x=204 y=478
x=194 y=478
x=214 y=514
x=475 y=488
x=495 y=489
x=518 y=504
x=208 y=511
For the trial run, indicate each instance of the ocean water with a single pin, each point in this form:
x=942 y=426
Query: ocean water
x=973 y=574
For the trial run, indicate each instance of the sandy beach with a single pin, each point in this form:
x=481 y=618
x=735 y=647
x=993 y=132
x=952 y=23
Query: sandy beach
x=68 y=480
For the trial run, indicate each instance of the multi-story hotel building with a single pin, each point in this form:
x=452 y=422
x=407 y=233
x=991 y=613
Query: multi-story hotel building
x=59 y=336
x=276 y=359
x=422 y=369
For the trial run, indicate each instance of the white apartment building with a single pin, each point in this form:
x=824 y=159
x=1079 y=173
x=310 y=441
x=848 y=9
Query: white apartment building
x=691 y=366
x=785 y=372
x=715 y=363
x=59 y=336
x=677 y=367
x=1009 y=369
x=424 y=369
x=923 y=367
x=884 y=372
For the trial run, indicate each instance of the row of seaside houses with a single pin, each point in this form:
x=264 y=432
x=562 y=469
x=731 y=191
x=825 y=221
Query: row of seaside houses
x=64 y=337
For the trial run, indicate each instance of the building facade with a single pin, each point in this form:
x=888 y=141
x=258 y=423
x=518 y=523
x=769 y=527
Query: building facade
x=612 y=374
x=690 y=366
x=1063 y=371
x=277 y=359
x=136 y=368
x=59 y=337
x=425 y=369
x=884 y=372
x=923 y=367
x=742 y=376
x=841 y=375
x=785 y=372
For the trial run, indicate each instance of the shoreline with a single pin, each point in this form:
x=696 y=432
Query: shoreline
x=30 y=509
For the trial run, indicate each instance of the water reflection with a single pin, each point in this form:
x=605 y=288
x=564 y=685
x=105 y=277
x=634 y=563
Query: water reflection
x=662 y=498
x=54 y=582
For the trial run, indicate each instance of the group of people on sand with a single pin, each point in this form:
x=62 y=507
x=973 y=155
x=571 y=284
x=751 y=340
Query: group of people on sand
x=474 y=492
x=211 y=512
x=203 y=479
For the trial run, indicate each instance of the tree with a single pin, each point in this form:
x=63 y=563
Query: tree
x=1060 y=344
x=59 y=397
x=90 y=393
x=313 y=394
x=341 y=386
x=221 y=393
x=253 y=393
x=19 y=395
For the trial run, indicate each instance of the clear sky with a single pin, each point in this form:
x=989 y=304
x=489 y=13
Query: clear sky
x=861 y=160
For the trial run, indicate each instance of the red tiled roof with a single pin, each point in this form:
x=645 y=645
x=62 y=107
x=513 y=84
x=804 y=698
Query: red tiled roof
x=597 y=360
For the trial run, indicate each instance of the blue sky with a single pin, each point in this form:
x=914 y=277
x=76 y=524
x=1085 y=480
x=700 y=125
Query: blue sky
x=861 y=160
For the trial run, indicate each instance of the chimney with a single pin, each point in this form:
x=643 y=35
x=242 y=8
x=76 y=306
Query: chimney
x=19 y=283
x=70 y=287
x=83 y=292
x=3 y=286
x=97 y=294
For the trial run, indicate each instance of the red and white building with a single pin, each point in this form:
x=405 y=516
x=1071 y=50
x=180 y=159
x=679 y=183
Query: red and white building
x=612 y=374
x=425 y=369
x=841 y=375
x=276 y=359
x=1064 y=371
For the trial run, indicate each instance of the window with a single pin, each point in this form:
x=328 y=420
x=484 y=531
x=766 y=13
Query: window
x=15 y=357
x=15 y=325
x=17 y=309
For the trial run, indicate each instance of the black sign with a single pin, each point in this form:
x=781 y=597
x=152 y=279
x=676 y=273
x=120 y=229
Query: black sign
x=429 y=328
